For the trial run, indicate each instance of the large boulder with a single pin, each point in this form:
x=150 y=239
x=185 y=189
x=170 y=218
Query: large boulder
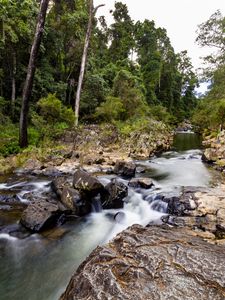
x=114 y=194
x=40 y=215
x=125 y=168
x=151 y=263
x=87 y=184
x=73 y=201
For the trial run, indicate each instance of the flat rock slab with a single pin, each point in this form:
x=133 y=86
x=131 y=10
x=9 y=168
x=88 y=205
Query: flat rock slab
x=151 y=263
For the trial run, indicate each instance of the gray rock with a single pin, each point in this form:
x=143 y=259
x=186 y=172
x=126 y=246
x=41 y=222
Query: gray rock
x=73 y=201
x=59 y=183
x=87 y=184
x=125 y=168
x=40 y=215
x=145 y=183
x=151 y=263
x=114 y=194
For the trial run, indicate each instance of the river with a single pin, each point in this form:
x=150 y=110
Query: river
x=37 y=267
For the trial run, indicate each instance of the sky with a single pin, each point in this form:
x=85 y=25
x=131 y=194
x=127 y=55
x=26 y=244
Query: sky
x=179 y=17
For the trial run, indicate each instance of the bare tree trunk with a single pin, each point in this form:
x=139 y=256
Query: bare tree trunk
x=30 y=73
x=13 y=95
x=92 y=12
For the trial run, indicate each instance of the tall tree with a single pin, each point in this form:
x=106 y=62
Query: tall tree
x=92 y=12
x=211 y=34
x=16 y=31
x=121 y=34
x=23 y=139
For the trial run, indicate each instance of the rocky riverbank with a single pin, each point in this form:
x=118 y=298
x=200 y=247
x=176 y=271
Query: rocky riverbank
x=98 y=146
x=183 y=259
x=214 y=153
x=151 y=263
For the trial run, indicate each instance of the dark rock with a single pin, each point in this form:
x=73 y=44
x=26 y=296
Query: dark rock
x=59 y=183
x=99 y=160
x=87 y=184
x=175 y=206
x=73 y=201
x=40 y=215
x=145 y=183
x=159 y=206
x=114 y=194
x=151 y=263
x=125 y=168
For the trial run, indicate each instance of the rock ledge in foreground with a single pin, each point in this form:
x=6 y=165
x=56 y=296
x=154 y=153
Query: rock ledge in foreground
x=151 y=263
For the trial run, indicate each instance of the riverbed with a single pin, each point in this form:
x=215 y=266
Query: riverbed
x=39 y=266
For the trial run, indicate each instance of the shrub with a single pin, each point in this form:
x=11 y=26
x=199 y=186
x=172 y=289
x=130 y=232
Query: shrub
x=110 y=110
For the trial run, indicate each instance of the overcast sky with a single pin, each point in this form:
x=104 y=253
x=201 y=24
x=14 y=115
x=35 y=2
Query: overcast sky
x=179 y=17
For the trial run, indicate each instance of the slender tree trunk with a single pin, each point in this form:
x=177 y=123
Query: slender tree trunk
x=13 y=95
x=92 y=12
x=30 y=73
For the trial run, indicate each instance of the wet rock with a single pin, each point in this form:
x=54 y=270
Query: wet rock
x=203 y=209
x=73 y=201
x=87 y=184
x=145 y=183
x=159 y=206
x=9 y=199
x=151 y=263
x=40 y=215
x=114 y=194
x=140 y=170
x=176 y=206
x=125 y=168
x=59 y=183
x=15 y=230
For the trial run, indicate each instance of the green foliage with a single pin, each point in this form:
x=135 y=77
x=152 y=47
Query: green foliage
x=128 y=88
x=132 y=71
x=110 y=110
x=9 y=139
x=210 y=114
x=143 y=124
x=52 y=110
x=160 y=113
x=94 y=93
x=53 y=118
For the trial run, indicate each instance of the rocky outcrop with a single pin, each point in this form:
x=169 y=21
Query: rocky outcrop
x=114 y=194
x=215 y=152
x=151 y=263
x=125 y=168
x=199 y=208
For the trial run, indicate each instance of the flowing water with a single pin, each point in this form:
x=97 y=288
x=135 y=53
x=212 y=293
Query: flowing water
x=38 y=267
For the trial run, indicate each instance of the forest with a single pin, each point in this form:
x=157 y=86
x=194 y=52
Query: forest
x=130 y=73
